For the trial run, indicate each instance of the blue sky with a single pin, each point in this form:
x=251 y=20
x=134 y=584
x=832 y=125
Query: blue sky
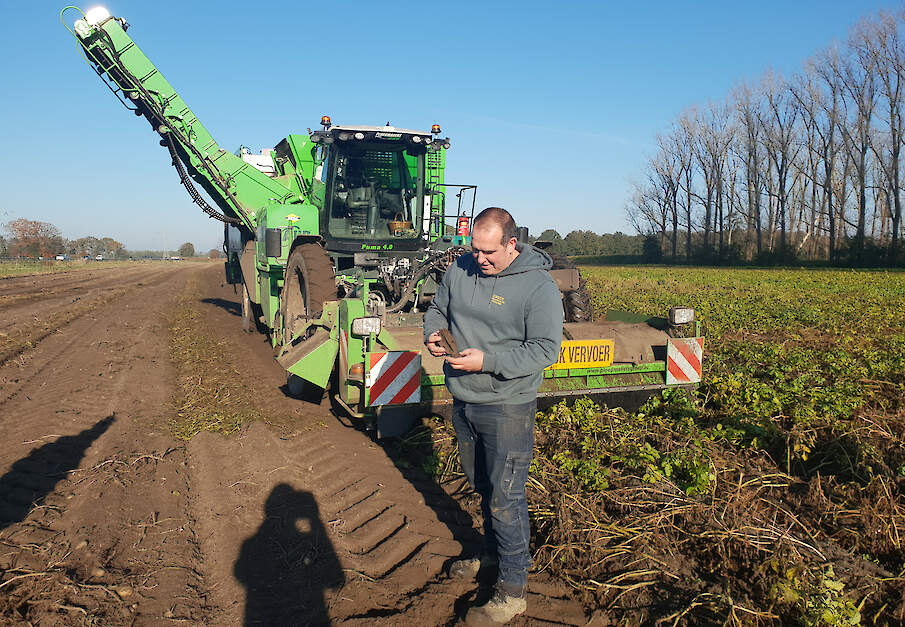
x=551 y=107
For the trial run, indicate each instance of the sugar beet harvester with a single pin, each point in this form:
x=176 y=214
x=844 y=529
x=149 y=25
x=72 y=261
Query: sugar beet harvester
x=338 y=239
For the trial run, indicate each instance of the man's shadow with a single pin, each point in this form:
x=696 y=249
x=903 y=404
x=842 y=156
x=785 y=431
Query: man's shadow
x=289 y=563
x=35 y=476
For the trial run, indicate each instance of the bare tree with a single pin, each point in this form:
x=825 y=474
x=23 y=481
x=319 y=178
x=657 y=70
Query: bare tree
x=747 y=107
x=819 y=94
x=860 y=91
x=669 y=165
x=711 y=149
x=686 y=140
x=778 y=125
x=646 y=209
x=885 y=50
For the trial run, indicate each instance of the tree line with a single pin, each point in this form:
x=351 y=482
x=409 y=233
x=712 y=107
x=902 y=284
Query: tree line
x=35 y=239
x=580 y=242
x=806 y=167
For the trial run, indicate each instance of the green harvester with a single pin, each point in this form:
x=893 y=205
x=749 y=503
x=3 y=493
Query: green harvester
x=338 y=238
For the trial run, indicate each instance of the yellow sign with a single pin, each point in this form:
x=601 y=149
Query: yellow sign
x=292 y=218
x=585 y=354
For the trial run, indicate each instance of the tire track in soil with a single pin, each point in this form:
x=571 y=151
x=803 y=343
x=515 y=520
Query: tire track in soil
x=93 y=516
x=63 y=350
x=24 y=325
x=373 y=544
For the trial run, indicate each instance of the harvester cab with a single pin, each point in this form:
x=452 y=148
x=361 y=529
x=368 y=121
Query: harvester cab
x=375 y=189
x=338 y=239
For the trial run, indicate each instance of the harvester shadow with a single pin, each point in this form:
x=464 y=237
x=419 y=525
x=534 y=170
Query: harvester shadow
x=33 y=477
x=288 y=565
x=232 y=307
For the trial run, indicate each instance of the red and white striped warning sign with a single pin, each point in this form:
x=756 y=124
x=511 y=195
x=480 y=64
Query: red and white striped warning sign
x=683 y=360
x=394 y=378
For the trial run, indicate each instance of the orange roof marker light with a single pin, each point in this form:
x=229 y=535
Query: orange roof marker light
x=325 y=121
x=435 y=129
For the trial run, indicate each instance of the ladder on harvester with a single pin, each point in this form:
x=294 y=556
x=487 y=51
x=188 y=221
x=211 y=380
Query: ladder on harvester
x=434 y=162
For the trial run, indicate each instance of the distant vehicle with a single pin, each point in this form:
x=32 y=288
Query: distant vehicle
x=175 y=258
x=62 y=257
x=99 y=258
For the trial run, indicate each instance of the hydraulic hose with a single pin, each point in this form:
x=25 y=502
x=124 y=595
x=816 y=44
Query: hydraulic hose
x=190 y=187
x=432 y=263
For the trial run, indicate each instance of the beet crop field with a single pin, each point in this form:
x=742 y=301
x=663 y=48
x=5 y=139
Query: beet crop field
x=774 y=495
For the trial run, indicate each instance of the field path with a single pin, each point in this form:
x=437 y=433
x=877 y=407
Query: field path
x=105 y=517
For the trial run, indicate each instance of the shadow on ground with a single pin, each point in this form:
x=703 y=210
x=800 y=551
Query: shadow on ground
x=289 y=564
x=33 y=477
x=232 y=307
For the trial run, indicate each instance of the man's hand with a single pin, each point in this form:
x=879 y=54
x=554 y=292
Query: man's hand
x=471 y=360
x=433 y=345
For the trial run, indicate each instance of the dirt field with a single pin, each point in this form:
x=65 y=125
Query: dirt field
x=106 y=518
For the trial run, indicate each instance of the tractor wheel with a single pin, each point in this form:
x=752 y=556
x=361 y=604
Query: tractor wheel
x=308 y=282
x=576 y=303
x=247 y=310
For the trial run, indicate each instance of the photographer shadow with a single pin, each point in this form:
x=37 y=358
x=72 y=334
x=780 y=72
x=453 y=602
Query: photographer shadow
x=289 y=564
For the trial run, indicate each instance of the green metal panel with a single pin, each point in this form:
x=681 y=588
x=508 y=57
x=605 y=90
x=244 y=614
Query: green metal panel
x=317 y=366
x=270 y=282
x=349 y=309
x=573 y=383
x=303 y=150
x=656 y=366
x=433 y=379
x=293 y=220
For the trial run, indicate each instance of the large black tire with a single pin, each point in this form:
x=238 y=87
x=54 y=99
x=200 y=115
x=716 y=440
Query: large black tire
x=576 y=303
x=308 y=282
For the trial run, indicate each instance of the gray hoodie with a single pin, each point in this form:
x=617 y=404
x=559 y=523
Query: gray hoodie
x=514 y=317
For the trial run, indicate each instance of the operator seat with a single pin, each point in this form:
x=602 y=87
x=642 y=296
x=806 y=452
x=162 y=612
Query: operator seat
x=390 y=204
x=360 y=197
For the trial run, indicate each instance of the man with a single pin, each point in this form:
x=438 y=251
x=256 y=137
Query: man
x=505 y=313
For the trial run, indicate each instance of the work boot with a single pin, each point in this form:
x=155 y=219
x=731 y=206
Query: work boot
x=470 y=567
x=502 y=607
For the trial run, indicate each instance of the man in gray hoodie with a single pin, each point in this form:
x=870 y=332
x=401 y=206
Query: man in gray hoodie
x=505 y=312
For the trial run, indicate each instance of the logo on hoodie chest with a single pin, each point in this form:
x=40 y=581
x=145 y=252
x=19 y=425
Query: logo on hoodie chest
x=496 y=299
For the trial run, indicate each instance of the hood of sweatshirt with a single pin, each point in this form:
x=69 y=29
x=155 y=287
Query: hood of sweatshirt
x=529 y=259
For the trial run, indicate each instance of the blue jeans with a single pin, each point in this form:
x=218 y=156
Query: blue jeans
x=495 y=447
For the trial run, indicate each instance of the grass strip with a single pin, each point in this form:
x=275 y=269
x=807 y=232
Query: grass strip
x=210 y=396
